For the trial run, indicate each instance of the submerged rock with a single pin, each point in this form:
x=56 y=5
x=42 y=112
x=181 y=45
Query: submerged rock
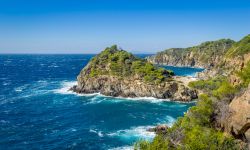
x=160 y=129
x=116 y=72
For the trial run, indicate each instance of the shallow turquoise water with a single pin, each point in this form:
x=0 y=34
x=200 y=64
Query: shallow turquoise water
x=37 y=111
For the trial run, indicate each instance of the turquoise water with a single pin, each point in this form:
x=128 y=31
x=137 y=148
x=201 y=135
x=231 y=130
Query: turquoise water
x=37 y=111
x=184 y=71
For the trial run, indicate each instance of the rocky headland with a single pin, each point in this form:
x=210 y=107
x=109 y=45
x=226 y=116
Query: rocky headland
x=117 y=73
x=221 y=118
x=206 y=55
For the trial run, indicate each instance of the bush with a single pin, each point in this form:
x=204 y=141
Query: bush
x=226 y=90
x=218 y=87
x=194 y=131
x=159 y=143
x=245 y=75
x=240 y=48
x=120 y=63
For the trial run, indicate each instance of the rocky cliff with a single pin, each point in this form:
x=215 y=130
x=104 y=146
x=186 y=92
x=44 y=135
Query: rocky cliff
x=221 y=118
x=231 y=62
x=233 y=108
x=205 y=55
x=239 y=123
x=116 y=72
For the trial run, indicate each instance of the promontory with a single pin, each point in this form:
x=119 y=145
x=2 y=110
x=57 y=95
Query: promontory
x=115 y=72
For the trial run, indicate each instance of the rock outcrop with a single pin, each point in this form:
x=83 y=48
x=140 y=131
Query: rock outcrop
x=159 y=129
x=231 y=62
x=205 y=55
x=117 y=73
x=240 y=118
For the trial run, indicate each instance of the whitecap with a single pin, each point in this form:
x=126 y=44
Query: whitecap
x=170 y=120
x=96 y=99
x=42 y=81
x=65 y=86
x=6 y=83
x=53 y=65
x=148 y=99
x=122 y=148
x=21 y=88
x=99 y=133
x=139 y=132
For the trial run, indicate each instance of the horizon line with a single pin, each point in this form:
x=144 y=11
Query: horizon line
x=65 y=53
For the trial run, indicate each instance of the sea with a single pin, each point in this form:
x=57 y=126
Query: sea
x=38 y=112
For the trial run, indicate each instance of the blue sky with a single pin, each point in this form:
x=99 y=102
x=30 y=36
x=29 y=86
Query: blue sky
x=140 y=26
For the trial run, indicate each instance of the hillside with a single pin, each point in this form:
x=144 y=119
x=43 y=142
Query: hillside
x=115 y=72
x=240 y=48
x=221 y=118
x=205 y=55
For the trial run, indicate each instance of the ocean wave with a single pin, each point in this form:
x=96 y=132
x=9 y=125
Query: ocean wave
x=134 y=133
x=99 y=133
x=131 y=134
x=6 y=83
x=33 y=89
x=21 y=88
x=148 y=99
x=169 y=120
x=66 y=85
x=122 y=148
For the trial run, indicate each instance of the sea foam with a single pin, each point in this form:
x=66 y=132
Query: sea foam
x=66 y=85
x=134 y=133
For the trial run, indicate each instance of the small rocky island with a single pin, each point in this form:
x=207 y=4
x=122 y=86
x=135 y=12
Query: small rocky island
x=115 y=72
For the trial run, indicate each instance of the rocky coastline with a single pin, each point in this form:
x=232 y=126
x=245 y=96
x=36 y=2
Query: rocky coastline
x=132 y=85
x=206 y=55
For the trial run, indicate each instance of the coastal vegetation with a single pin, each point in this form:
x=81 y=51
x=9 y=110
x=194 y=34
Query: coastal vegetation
x=193 y=131
x=209 y=124
x=240 y=48
x=120 y=63
x=218 y=87
x=205 y=55
x=244 y=74
x=115 y=72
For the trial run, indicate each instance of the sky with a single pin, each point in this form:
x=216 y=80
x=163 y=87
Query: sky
x=139 y=26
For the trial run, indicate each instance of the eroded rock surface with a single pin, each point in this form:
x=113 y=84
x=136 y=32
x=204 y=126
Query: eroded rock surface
x=118 y=73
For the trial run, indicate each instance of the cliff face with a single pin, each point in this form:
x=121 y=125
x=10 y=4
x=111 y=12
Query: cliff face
x=240 y=118
x=233 y=61
x=223 y=107
x=205 y=55
x=116 y=72
x=235 y=67
x=134 y=87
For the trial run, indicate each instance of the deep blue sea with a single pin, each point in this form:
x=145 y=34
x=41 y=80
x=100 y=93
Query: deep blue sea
x=37 y=111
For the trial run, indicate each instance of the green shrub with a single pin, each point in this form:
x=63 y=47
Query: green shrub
x=159 y=143
x=207 y=85
x=199 y=138
x=218 y=87
x=120 y=63
x=194 y=131
x=245 y=75
x=240 y=48
x=226 y=90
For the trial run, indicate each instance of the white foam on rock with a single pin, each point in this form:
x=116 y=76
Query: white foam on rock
x=122 y=148
x=65 y=86
x=139 y=132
